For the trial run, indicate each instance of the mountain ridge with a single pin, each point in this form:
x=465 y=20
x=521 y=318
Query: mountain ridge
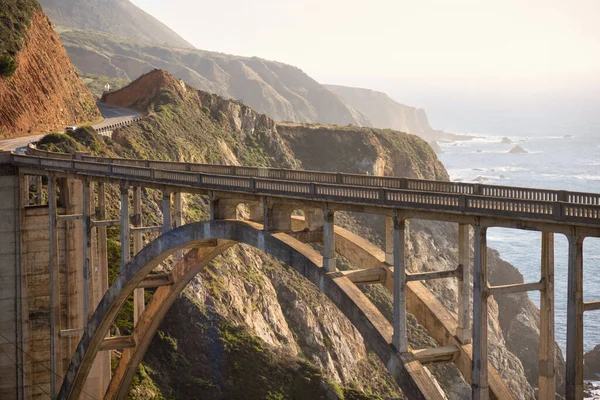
x=120 y=17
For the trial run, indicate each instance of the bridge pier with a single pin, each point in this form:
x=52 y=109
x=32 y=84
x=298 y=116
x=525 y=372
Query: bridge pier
x=328 y=242
x=138 y=294
x=574 y=374
x=125 y=250
x=463 y=329
x=479 y=379
x=546 y=364
x=53 y=269
x=399 y=338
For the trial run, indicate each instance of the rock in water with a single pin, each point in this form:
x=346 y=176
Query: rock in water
x=506 y=140
x=436 y=147
x=591 y=361
x=518 y=150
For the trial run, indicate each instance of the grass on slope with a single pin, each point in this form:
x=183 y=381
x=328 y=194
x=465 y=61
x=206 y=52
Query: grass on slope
x=15 y=19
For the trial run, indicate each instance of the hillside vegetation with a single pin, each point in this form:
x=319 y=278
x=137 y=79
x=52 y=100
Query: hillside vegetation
x=39 y=88
x=15 y=20
x=119 y=17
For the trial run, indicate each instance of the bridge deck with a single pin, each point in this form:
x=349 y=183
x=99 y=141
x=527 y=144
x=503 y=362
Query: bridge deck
x=340 y=191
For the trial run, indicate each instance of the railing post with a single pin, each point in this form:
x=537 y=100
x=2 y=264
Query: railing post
x=546 y=364
x=574 y=374
x=328 y=241
x=479 y=385
x=138 y=293
x=166 y=211
x=54 y=288
x=463 y=330
x=125 y=250
x=399 y=338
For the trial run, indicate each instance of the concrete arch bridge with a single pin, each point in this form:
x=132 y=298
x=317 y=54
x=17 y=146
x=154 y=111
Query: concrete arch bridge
x=55 y=231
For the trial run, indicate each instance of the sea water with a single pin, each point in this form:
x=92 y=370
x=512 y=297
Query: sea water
x=552 y=162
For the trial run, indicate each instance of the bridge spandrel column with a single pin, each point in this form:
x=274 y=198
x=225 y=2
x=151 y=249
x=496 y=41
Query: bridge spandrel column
x=574 y=374
x=138 y=294
x=479 y=385
x=166 y=211
x=328 y=242
x=463 y=330
x=546 y=364
x=400 y=338
x=125 y=232
x=87 y=191
x=389 y=240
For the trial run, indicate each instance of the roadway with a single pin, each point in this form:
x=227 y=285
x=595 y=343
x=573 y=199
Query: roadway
x=112 y=115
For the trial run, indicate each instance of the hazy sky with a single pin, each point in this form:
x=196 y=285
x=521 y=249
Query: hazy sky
x=497 y=42
x=464 y=61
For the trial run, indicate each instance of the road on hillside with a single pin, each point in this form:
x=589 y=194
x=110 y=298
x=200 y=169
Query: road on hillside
x=112 y=115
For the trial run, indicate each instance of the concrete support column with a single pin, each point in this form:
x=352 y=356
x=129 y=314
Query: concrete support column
x=479 y=385
x=104 y=356
x=138 y=294
x=178 y=213
x=38 y=190
x=389 y=240
x=574 y=375
x=546 y=364
x=125 y=250
x=399 y=338
x=328 y=242
x=55 y=346
x=463 y=330
x=87 y=201
x=166 y=211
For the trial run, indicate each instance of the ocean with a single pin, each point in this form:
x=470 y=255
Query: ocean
x=570 y=162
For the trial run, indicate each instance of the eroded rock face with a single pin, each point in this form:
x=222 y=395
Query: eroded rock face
x=45 y=93
x=592 y=364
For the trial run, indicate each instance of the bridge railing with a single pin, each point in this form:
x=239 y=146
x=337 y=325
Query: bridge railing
x=474 y=204
x=506 y=192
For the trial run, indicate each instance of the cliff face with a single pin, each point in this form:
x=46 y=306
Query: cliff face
x=248 y=323
x=119 y=17
x=383 y=112
x=44 y=93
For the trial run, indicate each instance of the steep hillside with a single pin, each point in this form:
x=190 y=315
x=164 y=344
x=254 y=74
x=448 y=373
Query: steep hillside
x=41 y=91
x=281 y=91
x=119 y=17
x=383 y=112
x=255 y=313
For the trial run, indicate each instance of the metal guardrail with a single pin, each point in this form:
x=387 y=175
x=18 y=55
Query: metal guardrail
x=107 y=130
x=408 y=193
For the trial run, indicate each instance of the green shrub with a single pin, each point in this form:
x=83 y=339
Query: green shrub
x=8 y=65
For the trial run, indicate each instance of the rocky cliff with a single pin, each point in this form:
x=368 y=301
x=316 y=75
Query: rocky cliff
x=251 y=324
x=44 y=92
x=383 y=112
x=119 y=17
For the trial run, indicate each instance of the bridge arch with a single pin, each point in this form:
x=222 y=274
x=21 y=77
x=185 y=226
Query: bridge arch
x=207 y=240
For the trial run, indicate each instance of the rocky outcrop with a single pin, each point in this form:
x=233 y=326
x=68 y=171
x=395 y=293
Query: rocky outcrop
x=118 y=17
x=591 y=361
x=518 y=150
x=44 y=93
